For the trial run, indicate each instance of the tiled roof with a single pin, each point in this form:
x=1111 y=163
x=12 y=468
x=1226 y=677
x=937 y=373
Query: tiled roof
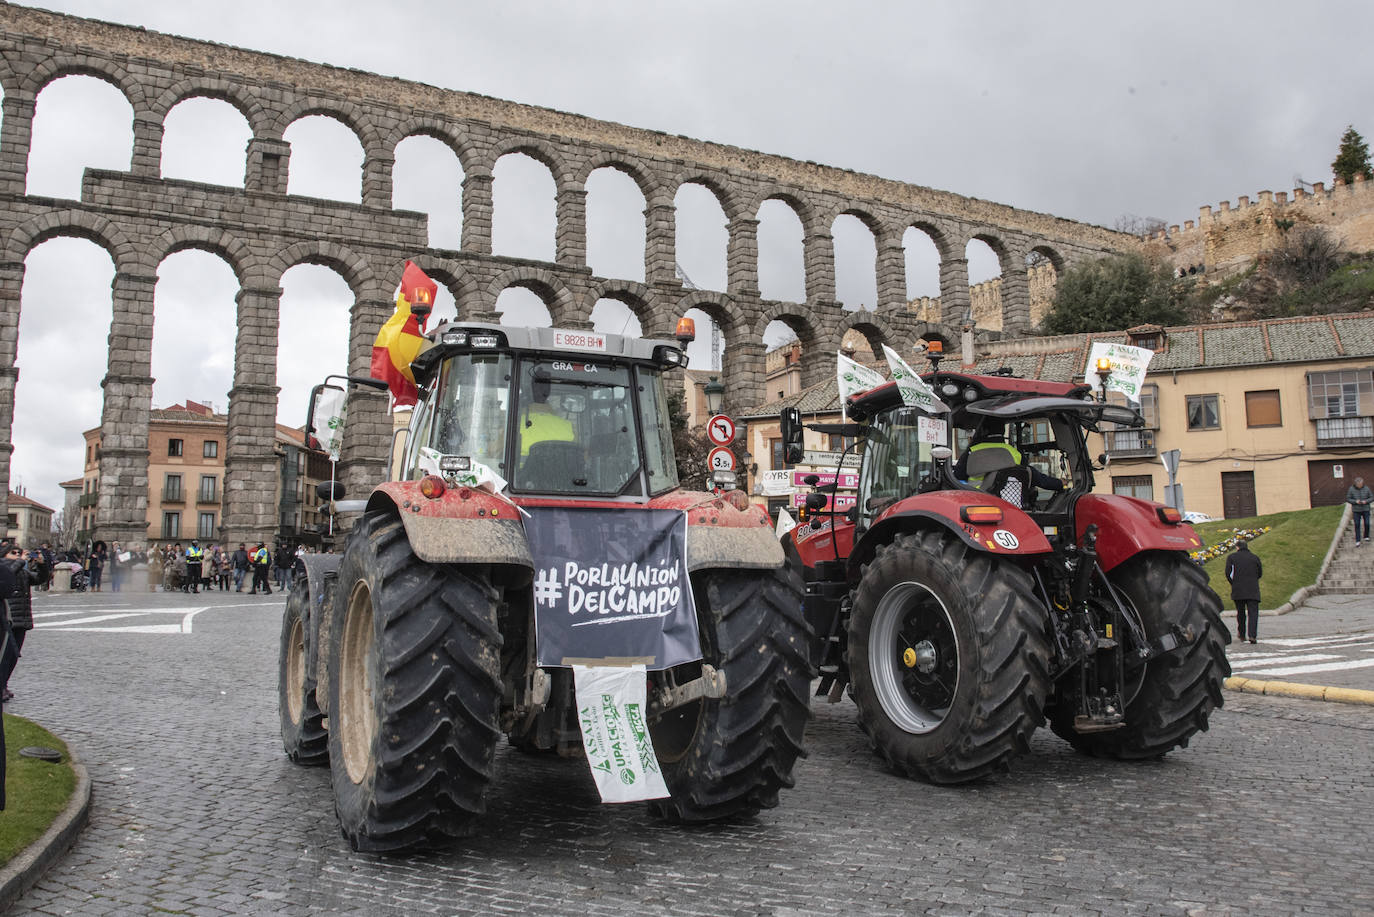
x=21 y=500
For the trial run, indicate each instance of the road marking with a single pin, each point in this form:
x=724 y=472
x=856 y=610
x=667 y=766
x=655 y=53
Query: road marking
x=1313 y=641
x=1264 y=660
x=1322 y=667
x=41 y=620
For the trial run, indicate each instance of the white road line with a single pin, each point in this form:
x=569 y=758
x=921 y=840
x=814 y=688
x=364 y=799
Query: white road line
x=1320 y=667
x=82 y=624
x=1314 y=641
x=1256 y=662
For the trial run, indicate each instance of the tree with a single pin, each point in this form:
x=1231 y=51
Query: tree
x=1352 y=158
x=1137 y=225
x=690 y=447
x=1307 y=257
x=1112 y=294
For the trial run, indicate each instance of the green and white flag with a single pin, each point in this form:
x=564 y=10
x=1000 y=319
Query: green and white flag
x=854 y=377
x=615 y=735
x=1129 y=365
x=914 y=390
x=331 y=409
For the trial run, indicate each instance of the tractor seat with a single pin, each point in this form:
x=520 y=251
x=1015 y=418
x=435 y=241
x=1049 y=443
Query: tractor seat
x=1012 y=484
x=982 y=462
x=553 y=465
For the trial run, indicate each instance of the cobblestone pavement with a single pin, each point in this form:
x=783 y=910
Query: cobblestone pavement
x=197 y=811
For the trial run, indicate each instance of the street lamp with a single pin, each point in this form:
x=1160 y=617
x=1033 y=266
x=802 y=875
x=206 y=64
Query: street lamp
x=715 y=395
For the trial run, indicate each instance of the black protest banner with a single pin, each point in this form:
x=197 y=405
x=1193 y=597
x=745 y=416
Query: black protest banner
x=612 y=585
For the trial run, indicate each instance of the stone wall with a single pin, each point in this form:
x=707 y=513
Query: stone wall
x=140 y=218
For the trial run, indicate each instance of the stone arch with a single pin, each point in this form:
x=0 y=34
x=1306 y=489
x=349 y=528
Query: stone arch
x=637 y=296
x=993 y=240
x=874 y=327
x=724 y=191
x=58 y=66
x=79 y=224
x=351 y=266
x=719 y=306
x=1050 y=253
x=541 y=152
x=789 y=196
x=794 y=316
x=558 y=299
x=606 y=159
x=430 y=126
x=351 y=114
x=942 y=237
x=235 y=94
x=218 y=242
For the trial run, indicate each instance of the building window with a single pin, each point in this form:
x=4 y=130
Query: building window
x=840 y=443
x=1342 y=393
x=211 y=449
x=171 y=525
x=1262 y=409
x=1203 y=413
x=171 y=489
x=174 y=447
x=779 y=458
x=1149 y=341
x=205 y=526
x=207 y=489
x=1134 y=485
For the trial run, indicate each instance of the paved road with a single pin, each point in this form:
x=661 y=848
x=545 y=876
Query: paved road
x=196 y=810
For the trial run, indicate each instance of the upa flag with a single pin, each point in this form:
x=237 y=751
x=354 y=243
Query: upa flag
x=401 y=338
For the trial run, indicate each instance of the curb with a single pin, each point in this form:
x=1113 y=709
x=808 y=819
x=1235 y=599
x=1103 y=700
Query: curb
x=23 y=872
x=1294 y=689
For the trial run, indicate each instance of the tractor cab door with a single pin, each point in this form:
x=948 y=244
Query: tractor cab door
x=897 y=463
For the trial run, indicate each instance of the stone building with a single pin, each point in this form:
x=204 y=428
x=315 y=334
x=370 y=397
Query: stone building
x=1268 y=416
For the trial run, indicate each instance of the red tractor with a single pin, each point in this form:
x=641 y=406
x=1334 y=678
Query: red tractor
x=962 y=603
x=406 y=658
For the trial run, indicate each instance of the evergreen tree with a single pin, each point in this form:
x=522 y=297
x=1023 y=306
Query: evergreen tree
x=1112 y=294
x=1353 y=157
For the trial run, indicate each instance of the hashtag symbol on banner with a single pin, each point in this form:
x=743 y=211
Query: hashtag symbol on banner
x=546 y=588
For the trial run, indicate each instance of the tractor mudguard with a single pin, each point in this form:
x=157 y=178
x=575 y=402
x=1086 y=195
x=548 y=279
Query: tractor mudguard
x=834 y=540
x=722 y=536
x=463 y=526
x=1128 y=525
x=1016 y=535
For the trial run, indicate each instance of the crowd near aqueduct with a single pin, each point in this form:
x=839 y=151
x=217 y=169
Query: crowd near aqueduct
x=140 y=218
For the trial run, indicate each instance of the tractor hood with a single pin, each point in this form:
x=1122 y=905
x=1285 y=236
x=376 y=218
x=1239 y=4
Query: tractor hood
x=1088 y=413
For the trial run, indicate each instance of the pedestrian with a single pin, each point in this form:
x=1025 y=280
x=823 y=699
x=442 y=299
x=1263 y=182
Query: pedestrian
x=1243 y=570
x=116 y=567
x=262 y=563
x=49 y=563
x=22 y=573
x=281 y=565
x=96 y=564
x=241 y=564
x=195 y=557
x=1360 y=497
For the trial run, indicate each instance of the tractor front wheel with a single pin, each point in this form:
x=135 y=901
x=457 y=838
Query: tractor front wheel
x=948 y=658
x=302 y=724
x=1177 y=690
x=729 y=756
x=414 y=692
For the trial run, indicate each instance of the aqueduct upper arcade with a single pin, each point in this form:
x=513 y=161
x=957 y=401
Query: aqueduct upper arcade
x=140 y=218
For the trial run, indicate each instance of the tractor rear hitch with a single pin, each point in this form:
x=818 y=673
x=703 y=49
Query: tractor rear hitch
x=711 y=683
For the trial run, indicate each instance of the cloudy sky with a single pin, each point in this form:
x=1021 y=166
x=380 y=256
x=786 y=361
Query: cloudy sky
x=1087 y=110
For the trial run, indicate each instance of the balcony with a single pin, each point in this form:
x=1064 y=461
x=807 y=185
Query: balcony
x=1345 y=431
x=207 y=496
x=89 y=499
x=1131 y=444
x=173 y=495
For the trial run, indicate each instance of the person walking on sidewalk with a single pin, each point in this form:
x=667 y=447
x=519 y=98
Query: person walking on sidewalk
x=1244 y=570
x=1360 y=497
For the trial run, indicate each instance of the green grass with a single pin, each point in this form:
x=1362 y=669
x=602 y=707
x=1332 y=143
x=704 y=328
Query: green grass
x=1292 y=550
x=35 y=791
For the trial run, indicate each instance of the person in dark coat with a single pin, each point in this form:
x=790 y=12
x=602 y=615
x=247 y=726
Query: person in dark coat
x=1359 y=496
x=21 y=574
x=1243 y=570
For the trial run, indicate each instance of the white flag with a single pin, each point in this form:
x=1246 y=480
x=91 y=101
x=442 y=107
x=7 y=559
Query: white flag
x=1129 y=365
x=785 y=523
x=914 y=390
x=331 y=408
x=854 y=377
x=615 y=732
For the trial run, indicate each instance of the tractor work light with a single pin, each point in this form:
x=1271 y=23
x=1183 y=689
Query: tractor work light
x=432 y=486
x=980 y=515
x=454 y=337
x=484 y=340
x=726 y=480
x=1169 y=516
x=686 y=331
x=453 y=464
x=670 y=357
x=949 y=389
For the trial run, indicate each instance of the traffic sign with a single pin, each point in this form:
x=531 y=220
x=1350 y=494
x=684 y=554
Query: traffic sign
x=720 y=430
x=721 y=459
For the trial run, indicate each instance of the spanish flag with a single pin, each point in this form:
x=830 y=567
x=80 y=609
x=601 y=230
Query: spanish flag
x=400 y=340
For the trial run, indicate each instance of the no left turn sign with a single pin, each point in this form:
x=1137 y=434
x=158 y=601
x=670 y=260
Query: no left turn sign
x=720 y=430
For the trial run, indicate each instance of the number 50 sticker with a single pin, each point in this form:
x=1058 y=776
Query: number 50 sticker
x=1005 y=539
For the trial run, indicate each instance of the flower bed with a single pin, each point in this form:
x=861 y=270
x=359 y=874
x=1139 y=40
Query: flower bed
x=1221 y=548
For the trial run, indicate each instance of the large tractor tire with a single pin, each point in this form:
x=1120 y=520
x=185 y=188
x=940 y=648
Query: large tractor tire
x=1173 y=697
x=729 y=756
x=948 y=658
x=302 y=725
x=414 y=692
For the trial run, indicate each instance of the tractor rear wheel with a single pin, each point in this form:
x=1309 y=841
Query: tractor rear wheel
x=414 y=692
x=302 y=724
x=729 y=756
x=948 y=658
x=1178 y=690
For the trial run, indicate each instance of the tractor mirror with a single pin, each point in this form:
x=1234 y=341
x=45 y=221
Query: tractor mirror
x=791 y=424
x=1103 y=459
x=816 y=501
x=324 y=418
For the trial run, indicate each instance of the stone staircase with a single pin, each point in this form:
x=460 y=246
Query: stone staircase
x=1352 y=569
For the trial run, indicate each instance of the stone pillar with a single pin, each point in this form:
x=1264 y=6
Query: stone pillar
x=742 y=372
x=477 y=212
x=15 y=139
x=742 y=257
x=251 y=465
x=954 y=297
x=377 y=167
x=1015 y=303
x=891 y=277
x=367 y=432
x=660 y=243
x=122 y=510
x=11 y=284
x=269 y=165
x=570 y=238
x=147 y=158
x=818 y=248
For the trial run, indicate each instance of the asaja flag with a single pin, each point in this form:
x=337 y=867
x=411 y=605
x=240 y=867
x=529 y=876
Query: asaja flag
x=402 y=337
